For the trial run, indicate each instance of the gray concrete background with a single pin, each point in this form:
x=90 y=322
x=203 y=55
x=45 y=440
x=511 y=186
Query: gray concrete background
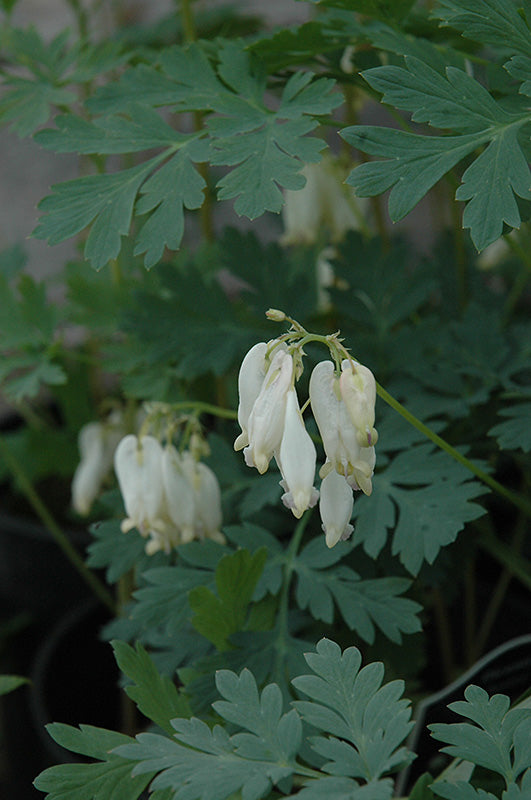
x=27 y=171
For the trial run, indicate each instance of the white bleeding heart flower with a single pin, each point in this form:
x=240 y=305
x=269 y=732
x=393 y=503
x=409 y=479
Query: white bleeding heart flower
x=250 y=379
x=97 y=442
x=138 y=467
x=341 y=437
x=296 y=460
x=324 y=202
x=266 y=420
x=179 y=494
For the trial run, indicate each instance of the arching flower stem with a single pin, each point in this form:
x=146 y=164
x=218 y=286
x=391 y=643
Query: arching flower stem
x=338 y=352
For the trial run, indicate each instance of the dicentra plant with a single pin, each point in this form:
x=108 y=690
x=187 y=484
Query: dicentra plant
x=235 y=265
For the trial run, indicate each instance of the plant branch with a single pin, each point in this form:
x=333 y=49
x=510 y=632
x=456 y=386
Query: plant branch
x=52 y=526
x=500 y=590
x=283 y=607
x=516 y=499
x=206 y=408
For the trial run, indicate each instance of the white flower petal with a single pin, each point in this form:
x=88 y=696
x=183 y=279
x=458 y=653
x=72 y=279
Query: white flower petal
x=138 y=467
x=335 y=506
x=250 y=380
x=325 y=406
x=358 y=390
x=179 y=493
x=297 y=458
x=209 y=503
x=91 y=469
x=266 y=421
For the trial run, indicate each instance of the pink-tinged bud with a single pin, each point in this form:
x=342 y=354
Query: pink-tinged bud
x=296 y=460
x=358 y=391
x=266 y=420
x=275 y=314
x=335 y=507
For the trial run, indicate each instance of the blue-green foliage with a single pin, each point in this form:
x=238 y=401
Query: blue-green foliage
x=499 y=741
x=357 y=727
x=265 y=147
x=458 y=103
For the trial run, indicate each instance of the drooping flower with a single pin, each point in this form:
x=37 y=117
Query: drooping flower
x=179 y=494
x=97 y=442
x=138 y=467
x=358 y=391
x=250 y=379
x=324 y=202
x=208 y=504
x=296 y=460
x=335 y=507
x=266 y=420
x=341 y=437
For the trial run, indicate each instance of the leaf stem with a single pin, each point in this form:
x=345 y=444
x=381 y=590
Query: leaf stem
x=49 y=522
x=334 y=344
x=283 y=607
x=206 y=408
x=188 y=22
x=81 y=16
x=516 y=499
x=444 y=635
x=521 y=279
x=518 y=566
x=500 y=590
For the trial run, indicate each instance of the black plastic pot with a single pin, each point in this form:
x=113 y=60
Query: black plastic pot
x=74 y=679
x=36 y=578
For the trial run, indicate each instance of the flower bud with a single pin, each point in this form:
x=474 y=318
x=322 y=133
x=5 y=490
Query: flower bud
x=335 y=507
x=275 y=315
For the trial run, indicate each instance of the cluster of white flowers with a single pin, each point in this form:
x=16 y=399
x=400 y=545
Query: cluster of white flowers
x=272 y=426
x=170 y=497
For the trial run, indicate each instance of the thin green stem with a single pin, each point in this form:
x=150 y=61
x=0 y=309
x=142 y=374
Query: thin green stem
x=206 y=210
x=500 y=590
x=514 y=295
x=52 y=526
x=334 y=344
x=82 y=18
x=283 y=606
x=116 y=272
x=188 y=21
x=516 y=499
x=460 y=256
x=470 y=616
x=515 y=563
x=522 y=278
x=206 y=408
x=444 y=634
